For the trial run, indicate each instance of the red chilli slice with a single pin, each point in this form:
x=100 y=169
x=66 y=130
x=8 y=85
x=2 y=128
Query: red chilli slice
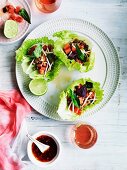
x=10 y=9
x=76 y=110
x=19 y=19
x=12 y=17
x=17 y=9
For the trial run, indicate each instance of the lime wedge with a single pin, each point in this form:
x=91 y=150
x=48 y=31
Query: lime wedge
x=10 y=29
x=38 y=86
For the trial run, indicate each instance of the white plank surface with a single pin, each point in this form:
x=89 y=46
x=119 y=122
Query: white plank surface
x=110 y=152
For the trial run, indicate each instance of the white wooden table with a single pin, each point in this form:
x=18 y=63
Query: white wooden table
x=110 y=151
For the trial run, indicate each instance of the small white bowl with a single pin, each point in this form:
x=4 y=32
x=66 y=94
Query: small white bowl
x=32 y=157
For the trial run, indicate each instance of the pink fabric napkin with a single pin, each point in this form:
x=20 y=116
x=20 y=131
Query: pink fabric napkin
x=13 y=108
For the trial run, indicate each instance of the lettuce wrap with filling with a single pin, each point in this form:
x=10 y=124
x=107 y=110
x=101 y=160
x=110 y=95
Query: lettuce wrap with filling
x=74 y=51
x=38 y=59
x=80 y=96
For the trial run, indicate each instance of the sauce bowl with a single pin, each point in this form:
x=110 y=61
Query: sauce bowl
x=33 y=158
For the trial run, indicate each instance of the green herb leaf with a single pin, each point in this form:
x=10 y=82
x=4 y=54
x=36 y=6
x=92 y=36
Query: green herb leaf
x=74 y=98
x=23 y=13
x=31 y=57
x=38 y=50
x=81 y=56
x=51 y=57
x=89 y=84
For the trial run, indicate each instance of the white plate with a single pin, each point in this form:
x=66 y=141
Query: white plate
x=106 y=70
x=22 y=27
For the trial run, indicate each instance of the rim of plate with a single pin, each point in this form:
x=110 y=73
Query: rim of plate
x=110 y=42
x=7 y=43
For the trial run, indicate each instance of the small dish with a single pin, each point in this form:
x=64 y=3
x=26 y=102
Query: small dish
x=23 y=27
x=32 y=151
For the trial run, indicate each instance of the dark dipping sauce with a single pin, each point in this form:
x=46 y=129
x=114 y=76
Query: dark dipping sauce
x=49 y=154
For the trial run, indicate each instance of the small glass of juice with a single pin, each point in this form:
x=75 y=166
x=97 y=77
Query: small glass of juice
x=83 y=135
x=48 y=6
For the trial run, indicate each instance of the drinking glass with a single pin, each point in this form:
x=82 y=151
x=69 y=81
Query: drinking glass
x=83 y=135
x=48 y=6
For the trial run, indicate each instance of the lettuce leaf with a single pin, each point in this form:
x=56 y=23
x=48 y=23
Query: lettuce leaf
x=38 y=50
x=64 y=34
x=63 y=111
x=54 y=71
x=27 y=65
x=28 y=68
x=22 y=51
x=65 y=37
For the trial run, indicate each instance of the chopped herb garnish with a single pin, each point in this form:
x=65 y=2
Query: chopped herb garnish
x=23 y=13
x=81 y=56
x=89 y=84
x=74 y=98
x=38 y=50
x=31 y=57
x=51 y=57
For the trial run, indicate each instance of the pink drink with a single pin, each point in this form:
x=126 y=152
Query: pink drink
x=48 y=6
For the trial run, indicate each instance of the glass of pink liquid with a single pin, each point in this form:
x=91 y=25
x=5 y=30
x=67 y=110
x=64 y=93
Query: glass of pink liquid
x=48 y=6
x=83 y=135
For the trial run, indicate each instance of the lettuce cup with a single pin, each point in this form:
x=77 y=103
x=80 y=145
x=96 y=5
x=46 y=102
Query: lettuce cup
x=38 y=59
x=74 y=51
x=81 y=95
